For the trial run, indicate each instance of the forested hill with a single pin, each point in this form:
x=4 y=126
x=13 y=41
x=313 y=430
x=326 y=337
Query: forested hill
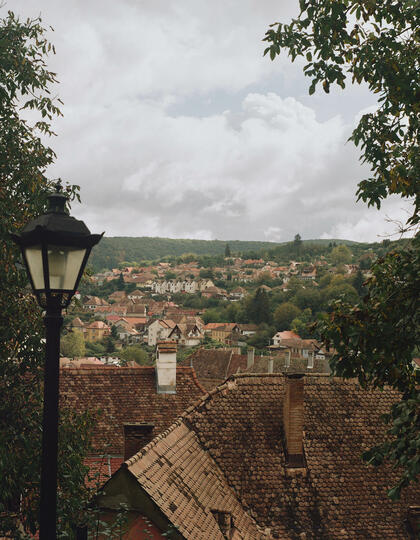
x=112 y=251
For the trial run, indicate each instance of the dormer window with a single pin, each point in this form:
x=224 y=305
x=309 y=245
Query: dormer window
x=413 y=521
x=225 y=521
x=136 y=435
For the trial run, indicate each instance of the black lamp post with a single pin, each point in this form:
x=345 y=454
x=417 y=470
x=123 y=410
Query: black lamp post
x=55 y=248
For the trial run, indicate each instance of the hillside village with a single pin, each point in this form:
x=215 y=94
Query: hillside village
x=229 y=379
x=193 y=365
x=232 y=302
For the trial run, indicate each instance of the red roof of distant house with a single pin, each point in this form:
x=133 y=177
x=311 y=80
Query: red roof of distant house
x=113 y=318
x=98 y=324
x=133 y=321
x=287 y=334
x=225 y=325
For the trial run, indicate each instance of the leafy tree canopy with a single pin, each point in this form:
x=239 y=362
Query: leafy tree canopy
x=135 y=353
x=72 y=344
x=341 y=255
x=375 y=43
x=26 y=83
x=284 y=315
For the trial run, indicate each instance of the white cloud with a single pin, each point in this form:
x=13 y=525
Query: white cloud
x=175 y=125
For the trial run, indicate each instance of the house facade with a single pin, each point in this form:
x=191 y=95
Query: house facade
x=159 y=330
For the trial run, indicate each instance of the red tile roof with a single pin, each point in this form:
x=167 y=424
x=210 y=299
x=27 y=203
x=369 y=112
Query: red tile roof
x=98 y=324
x=190 y=497
x=227 y=452
x=120 y=395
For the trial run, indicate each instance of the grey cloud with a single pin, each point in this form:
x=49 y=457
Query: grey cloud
x=175 y=125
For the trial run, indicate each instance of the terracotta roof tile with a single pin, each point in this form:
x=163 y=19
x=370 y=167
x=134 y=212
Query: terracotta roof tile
x=120 y=395
x=228 y=450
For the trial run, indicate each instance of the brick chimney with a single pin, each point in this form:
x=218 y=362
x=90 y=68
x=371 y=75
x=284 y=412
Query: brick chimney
x=270 y=364
x=250 y=358
x=166 y=367
x=136 y=435
x=293 y=419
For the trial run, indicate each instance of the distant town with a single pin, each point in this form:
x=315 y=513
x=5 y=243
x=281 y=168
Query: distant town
x=261 y=309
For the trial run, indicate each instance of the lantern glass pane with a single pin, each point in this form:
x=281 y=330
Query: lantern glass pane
x=34 y=260
x=64 y=265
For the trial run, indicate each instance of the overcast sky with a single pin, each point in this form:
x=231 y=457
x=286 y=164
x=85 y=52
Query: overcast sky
x=176 y=125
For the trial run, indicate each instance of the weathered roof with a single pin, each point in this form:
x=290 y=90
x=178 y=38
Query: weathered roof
x=298 y=364
x=216 y=325
x=189 y=501
x=211 y=366
x=123 y=394
x=98 y=324
x=235 y=434
x=287 y=334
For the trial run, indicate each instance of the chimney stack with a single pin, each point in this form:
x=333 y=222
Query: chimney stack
x=136 y=435
x=287 y=356
x=250 y=358
x=270 y=363
x=293 y=419
x=166 y=367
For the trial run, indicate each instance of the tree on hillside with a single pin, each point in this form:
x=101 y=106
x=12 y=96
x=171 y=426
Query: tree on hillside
x=135 y=353
x=358 y=283
x=375 y=43
x=300 y=325
x=26 y=83
x=308 y=298
x=259 y=307
x=284 y=315
x=297 y=242
x=341 y=255
x=72 y=344
x=227 y=251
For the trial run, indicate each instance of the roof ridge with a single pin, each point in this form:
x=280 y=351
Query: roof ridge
x=203 y=400
x=109 y=369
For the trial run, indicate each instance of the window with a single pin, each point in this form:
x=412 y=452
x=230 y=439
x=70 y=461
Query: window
x=310 y=360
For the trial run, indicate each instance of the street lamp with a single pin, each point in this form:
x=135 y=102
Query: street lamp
x=55 y=248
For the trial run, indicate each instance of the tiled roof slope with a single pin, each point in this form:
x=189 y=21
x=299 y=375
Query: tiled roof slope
x=239 y=426
x=297 y=365
x=211 y=366
x=187 y=486
x=124 y=395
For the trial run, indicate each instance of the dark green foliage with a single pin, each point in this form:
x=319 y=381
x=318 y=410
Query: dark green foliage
x=308 y=298
x=376 y=43
x=284 y=315
x=375 y=341
x=112 y=251
x=341 y=290
x=262 y=338
x=227 y=251
x=358 y=283
x=301 y=325
x=297 y=242
x=26 y=82
x=114 y=332
x=259 y=307
x=135 y=353
x=341 y=255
